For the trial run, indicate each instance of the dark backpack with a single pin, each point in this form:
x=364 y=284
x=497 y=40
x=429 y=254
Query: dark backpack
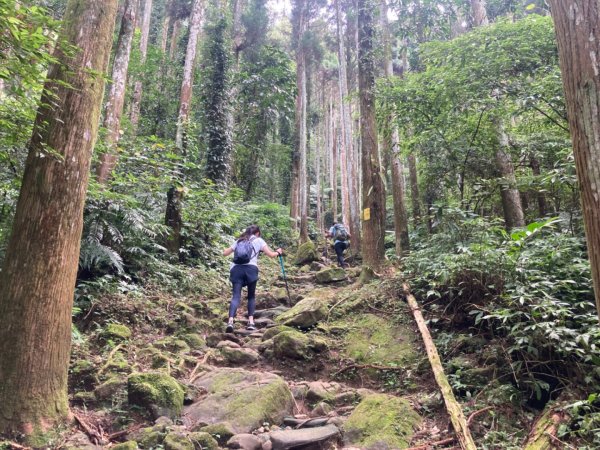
x=244 y=251
x=340 y=233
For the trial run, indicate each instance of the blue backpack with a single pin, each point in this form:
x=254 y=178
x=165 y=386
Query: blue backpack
x=244 y=251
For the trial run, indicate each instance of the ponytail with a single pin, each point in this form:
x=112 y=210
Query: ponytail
x=250 y=231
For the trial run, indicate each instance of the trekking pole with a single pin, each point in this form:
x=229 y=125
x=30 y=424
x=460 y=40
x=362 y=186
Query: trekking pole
x=287 y=289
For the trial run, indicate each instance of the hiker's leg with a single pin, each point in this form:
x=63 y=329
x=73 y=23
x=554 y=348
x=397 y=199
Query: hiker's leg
x=235 y=300
x=339 y=251
x=251 y=300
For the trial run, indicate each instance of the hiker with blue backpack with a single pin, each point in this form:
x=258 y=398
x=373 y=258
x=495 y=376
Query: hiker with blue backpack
x=341 y=241
x=244 y=271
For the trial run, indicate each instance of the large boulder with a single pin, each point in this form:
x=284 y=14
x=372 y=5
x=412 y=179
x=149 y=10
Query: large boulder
x=238 y=356
x=304 y=314
x=381 y=421
x=158 y=392
x=242 y=398
x=286 y=439
x=331 y=275
x=296 y=345
x=306 y=254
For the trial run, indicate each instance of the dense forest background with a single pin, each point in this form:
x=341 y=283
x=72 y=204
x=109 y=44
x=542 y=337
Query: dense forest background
x=436 y=130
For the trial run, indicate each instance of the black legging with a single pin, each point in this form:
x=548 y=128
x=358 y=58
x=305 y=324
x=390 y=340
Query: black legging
x=339 y=247
x=237 y=296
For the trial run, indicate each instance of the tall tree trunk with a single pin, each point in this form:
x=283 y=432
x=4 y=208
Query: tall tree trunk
x=479 y=13
x=373 y=188
x=511 y=199
x=414 y=187
x=164 y=36
x=334 y=165
x=300 y=19
x=137 y=90
x=40 y=266
x=116 y=96
x=578 y=37
x=352 y=218
x=534 y=163
x=174 y=39
x=188 y=74
x=391 y=143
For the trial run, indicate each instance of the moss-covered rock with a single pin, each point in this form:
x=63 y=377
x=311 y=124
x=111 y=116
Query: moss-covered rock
x=270 y=332
x=331 y=275
x=177 y=440
x=221 y=432
x=129 y=445
x=373 y=340
x=158 y=392
x=193 y=340
x=85 y=397
x=172 y=344
x=304 y=314
x=291 y=344
x=149 y=437
x=203 y=441
x=116 y=332
x=242 y=398
x=306 y=253
x=238 y=356
x=109 y=388
x=381 y=422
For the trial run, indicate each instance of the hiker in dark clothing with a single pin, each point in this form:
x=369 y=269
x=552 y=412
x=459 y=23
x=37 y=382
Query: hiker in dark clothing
x=341 y=238
x=244 y=271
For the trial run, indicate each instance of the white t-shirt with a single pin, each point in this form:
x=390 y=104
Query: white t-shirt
x=258 y=244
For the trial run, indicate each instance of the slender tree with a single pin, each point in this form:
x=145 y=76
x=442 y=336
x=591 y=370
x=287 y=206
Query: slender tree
x=415 y=195
x=373 y=196
x=511 y=199
x=40 y=266
x=479 y=13
x=578 y=38
x=391 y=143
x=166 y=24
x=116 y=95
x=137 y=90
x=188 y=73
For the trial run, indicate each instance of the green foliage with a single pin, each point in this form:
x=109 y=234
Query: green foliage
x=533 y=288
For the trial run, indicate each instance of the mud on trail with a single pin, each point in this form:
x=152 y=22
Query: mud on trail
x=340 y=366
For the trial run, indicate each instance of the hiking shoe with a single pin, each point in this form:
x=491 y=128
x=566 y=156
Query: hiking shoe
x=251 y=327
x=229 y=328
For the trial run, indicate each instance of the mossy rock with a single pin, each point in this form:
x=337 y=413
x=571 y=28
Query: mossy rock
x=291 y=344
x=221 y=432
x=331 y=275
x=116 y=332
x=203 y=441
x=381 y=422
x=159 y=392
x=239 y=356
x=184 y=307
x=304 y=314
x=149 y=437
x=172 y=344
x=306 y=254
x=243 y=398
x=374 y=340
x=271 y=332
x=194 y=341
x=85 y=397
x=129 y=445
x=109 y=388
x=176 y=440
x=117 y=364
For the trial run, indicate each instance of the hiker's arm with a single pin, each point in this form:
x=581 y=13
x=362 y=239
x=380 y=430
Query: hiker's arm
x=228 y=251
x=270 y=253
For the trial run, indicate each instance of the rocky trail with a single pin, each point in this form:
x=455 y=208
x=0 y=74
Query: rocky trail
x=342 y=367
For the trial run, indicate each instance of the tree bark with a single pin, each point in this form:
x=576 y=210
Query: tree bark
x=174 y=39
x=164 y=37
x=479 y=13
x=414 y=188
x=173 y=219
x=334 y=165
x=534 y=163
x=41 y=261
x=578 y=38
x=137 y=90
x=373 y=197
x=116 y=96
x=188 y=74
x=391 y=142
x=511 y=199
x=348 y=160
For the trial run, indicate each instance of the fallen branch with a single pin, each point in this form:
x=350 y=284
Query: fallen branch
x=15 y=446
x=92 y=434
x=367 y=366
x=476 y=413
x=120 y=434
x=433 y=444
x=108 y=360
x=457 y=417
x=543 y=432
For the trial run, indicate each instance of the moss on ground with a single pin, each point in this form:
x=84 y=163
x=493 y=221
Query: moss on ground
x=157 y=391
x=381 y=422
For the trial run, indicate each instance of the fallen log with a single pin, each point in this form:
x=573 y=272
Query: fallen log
x=543 y=433
x=463 y=435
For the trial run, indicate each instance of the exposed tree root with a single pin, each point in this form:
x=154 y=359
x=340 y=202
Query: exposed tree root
x=432 y=445
x=368 y=366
